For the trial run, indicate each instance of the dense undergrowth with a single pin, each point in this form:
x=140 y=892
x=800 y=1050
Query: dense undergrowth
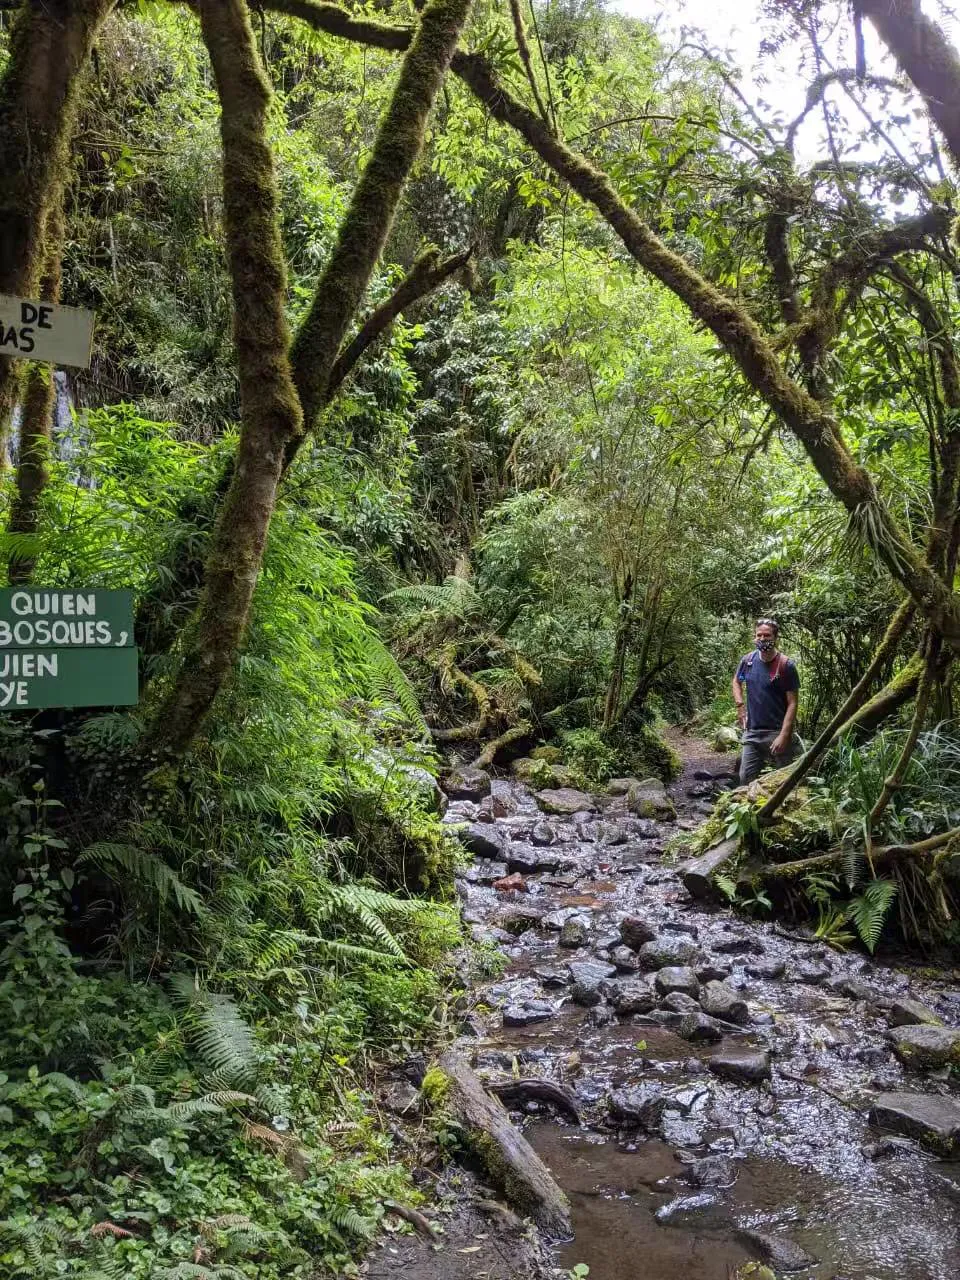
x=193 y=995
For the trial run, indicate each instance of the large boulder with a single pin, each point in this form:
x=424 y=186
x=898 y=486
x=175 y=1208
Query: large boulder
x=635 y=996
x=677 y=978
x=648 y=799
x=565 y=801
x=639 y=1107
x=743 y=1066
x=481 y=840
x=922 y=1046
x=541 y=773
x=467 y=783
x=910 y=1013
x=635 y=931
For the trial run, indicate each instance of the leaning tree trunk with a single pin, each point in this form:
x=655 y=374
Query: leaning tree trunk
x=36 y=428
x=274 y=410
x=50 y=48
x=732 y=325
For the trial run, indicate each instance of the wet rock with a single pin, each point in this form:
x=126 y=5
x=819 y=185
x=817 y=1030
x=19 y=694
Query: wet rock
x=400 y=1097
x=485 y=872
x=713 y=972
x=646 y=829
x=609 y=834
x=525 y=1015
x=921 y=1046
x=640 y=1107
x=491 y=808
x=781 y=1253
x=632 y=997
x=517 y=920
x=542 y=834
x=679 y=1002
x=590 y=973
x=887 y=1147
x=586 y=994
x=710 y=1171
x=564 y=800
x=766 y=969
x=721 y=1001
x=573 y=934
x=648 y=799
x=742 y=1066
x=551 y=977
x=624 y=959
x=871 y=1055
x=586 y=830
x=814 y=973
x=677 y=978
x=909 y=1013
x=634 y=932
x=666 y=950
x=852 y=988
x=685 y=1210
x=681 y=926
x=933 y=1120
x=531 y=861
x=701 y=790
x=467 y=783
x=738 y=944
x=482 y=841
x=511 y=884
x=557 y=919
x=704 y=775
x=621 y=786
x=679 y=1132
x=699 y=1028
x=601 y=1016
x=606 y=941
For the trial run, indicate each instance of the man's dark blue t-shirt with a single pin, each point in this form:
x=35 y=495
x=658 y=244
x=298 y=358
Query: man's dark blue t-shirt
x=766 y=697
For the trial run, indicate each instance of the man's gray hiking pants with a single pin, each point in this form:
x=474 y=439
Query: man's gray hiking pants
x=757 y=753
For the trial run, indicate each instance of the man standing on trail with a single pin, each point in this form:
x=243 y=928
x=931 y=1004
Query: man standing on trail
x=765 y=691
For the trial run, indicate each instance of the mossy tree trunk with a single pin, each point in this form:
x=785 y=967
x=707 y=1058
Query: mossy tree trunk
x=732 y=325
x=50 y=46
x=925 y=55
x=36 y=428
x=281 y=392
x=271 y=414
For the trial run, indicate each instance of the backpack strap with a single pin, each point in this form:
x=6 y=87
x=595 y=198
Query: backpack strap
x=777 y=667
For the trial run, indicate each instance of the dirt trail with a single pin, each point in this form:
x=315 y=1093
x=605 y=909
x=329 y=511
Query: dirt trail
x=724 y=1075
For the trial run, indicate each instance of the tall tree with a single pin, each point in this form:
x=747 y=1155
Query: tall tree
x=274 y=410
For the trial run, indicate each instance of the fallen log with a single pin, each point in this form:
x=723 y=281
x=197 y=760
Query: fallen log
x=698 y=875
x=510 y=1162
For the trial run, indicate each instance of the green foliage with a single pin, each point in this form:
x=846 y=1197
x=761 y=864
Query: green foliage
x=585 y=751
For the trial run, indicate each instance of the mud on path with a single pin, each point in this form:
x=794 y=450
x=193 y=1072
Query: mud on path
x=738 y=1092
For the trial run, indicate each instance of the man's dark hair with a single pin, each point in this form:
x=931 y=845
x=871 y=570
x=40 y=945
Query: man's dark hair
x=769 y=622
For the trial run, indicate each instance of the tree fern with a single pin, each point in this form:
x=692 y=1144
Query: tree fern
x=136 y=869
x=869 y=910
x=216 y=1029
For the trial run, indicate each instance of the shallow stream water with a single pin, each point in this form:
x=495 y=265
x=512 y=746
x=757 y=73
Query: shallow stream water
x=797 y=1161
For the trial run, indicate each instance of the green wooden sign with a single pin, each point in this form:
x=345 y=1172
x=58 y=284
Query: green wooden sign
x=66 y=648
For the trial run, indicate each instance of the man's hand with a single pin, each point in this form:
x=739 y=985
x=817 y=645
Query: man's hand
x=742 y=716
x=780 y=744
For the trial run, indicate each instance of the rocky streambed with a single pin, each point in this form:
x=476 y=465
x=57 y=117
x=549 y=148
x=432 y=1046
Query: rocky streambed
x=730 y=1094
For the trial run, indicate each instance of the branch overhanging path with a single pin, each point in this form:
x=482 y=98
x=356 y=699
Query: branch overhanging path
x=735 y=329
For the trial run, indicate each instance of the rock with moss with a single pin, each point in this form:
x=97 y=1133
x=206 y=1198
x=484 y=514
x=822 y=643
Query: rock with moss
x=922 y=1046
x=648 y=799
x=537 y=773
x=551 y=755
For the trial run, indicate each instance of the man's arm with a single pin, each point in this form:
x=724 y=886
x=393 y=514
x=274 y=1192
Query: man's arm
x=782 y=740
x=737 y=690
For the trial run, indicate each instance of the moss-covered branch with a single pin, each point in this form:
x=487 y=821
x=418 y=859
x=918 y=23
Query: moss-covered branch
x=367 y=224
x=883 y=653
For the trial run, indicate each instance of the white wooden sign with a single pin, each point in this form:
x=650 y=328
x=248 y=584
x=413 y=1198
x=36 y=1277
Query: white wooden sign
x=41 y=331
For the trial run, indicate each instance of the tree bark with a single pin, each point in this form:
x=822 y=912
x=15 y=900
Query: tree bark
x=279 y=393
x=36 y=430
x=734 y=328
x=50 y=46
x=924 y=54
x=271 y=414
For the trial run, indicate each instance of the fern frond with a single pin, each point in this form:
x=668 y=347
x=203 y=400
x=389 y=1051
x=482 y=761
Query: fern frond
x=208 y=1104
x=869 y=910
x=386 y=680
x=216 y=1029
x=453 y=598
x=142 y=871
x=347 y=1219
